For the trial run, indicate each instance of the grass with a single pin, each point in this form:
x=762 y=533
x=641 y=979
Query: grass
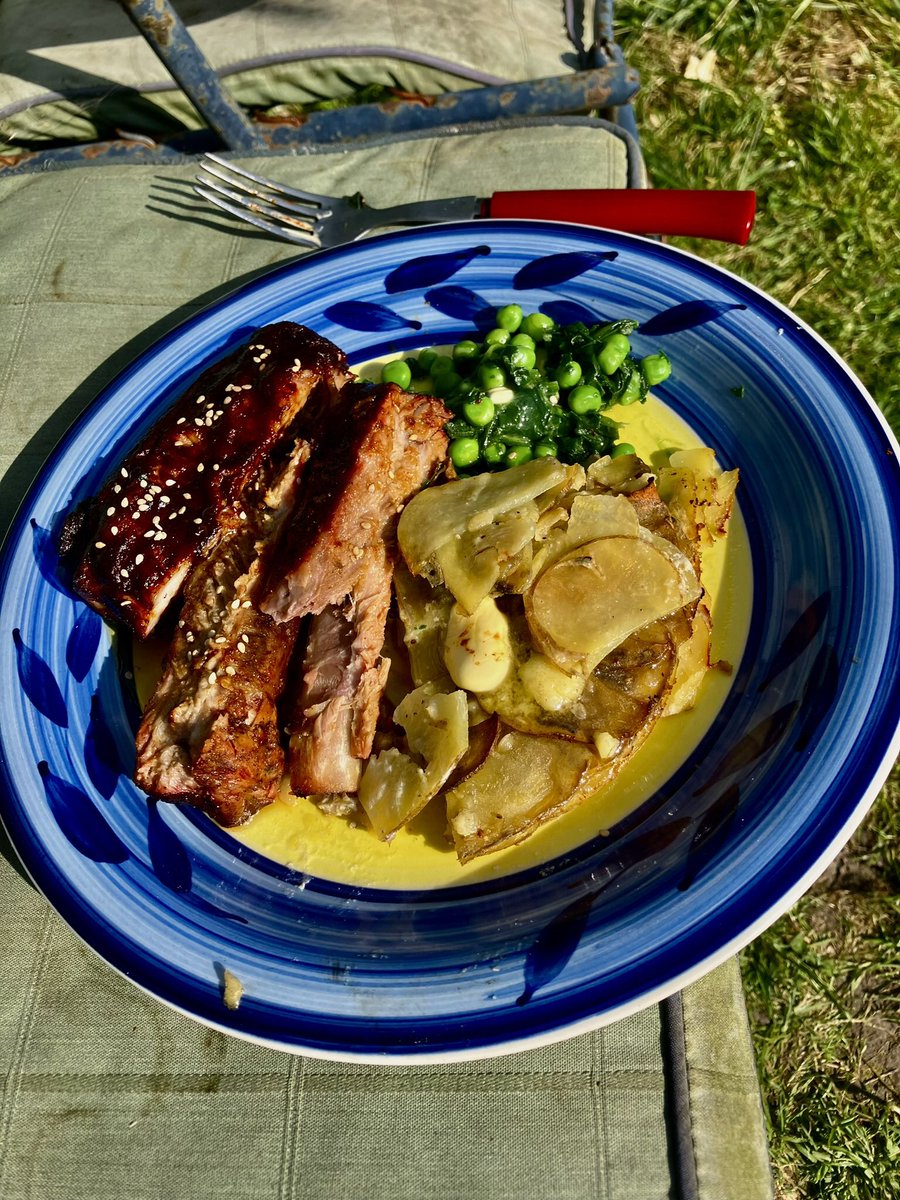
x=801 y=101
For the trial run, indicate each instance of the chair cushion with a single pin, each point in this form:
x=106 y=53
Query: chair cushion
x=80 y=71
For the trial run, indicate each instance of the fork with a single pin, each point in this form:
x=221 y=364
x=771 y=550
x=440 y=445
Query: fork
x=315 y=221
x=309 y=218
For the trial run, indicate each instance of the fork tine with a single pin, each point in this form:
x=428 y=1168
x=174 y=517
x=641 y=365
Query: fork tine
x=280 y=230
x=256 y=202
x=209 y=172
x=271 y=184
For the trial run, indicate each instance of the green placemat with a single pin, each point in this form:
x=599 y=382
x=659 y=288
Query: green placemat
x=109 y=1094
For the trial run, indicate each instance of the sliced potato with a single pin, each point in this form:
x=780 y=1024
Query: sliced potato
x=621 y=476
x=482 y=738
x=439 y=515
x=475 y=561
x=591 y=516
x=522 y=783
x=589 y=602
x=600 y=630
x=424 y=613
x=698 y=493
x=692 y=663
x=529 y=779
x=394 y=786
x=617 y=698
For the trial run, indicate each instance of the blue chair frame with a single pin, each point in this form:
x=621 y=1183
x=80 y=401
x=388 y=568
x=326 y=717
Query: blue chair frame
x=604 y=82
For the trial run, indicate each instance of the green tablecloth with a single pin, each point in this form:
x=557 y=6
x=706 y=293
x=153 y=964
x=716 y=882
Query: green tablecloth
x=107 y=1093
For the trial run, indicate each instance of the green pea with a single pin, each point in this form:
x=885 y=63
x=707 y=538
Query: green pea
x=516 y=455
x=585 y=399
x=545 y=450
x=491 y=376
x=538 y=325
x=509 y=317
x=397 y=372
x=494 y=452
x=615 y=350
x=522 y=339
x=568 y=374
x=620 y=450
x=479 y=412
x=632 y=390
x=439 y=364
x=656 y=368
x=464 y=452
x=466 y=350
x=522 y=357
x=497 y=337
x=426 y=358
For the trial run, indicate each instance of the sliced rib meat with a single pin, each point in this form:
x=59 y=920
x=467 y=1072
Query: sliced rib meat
x=331 y=716
x=335 y=562
x=168 y=503
x=385 y=445
x=211 y=732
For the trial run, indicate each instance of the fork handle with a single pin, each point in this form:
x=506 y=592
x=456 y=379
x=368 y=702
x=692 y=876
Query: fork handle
x=725 y=216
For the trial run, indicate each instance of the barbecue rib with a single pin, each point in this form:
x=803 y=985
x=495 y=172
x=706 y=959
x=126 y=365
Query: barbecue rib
x=336 y=562
x=169 y=502
x=211 y=734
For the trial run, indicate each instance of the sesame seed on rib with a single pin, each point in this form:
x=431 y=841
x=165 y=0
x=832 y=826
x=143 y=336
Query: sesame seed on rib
x=169 y=467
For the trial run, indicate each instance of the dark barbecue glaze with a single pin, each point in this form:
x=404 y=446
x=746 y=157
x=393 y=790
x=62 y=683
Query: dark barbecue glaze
x=167 y=504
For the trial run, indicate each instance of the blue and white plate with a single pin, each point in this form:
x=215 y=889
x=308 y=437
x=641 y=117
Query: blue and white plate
x=792 y=762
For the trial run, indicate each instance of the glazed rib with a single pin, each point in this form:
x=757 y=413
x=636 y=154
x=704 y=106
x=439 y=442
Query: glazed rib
x=210 y=734
x=336 y=562
x=169 y=501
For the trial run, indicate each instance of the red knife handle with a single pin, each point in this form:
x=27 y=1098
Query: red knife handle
x=726 y=216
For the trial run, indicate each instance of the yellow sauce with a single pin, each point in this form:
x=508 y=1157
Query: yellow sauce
x=294 y=831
